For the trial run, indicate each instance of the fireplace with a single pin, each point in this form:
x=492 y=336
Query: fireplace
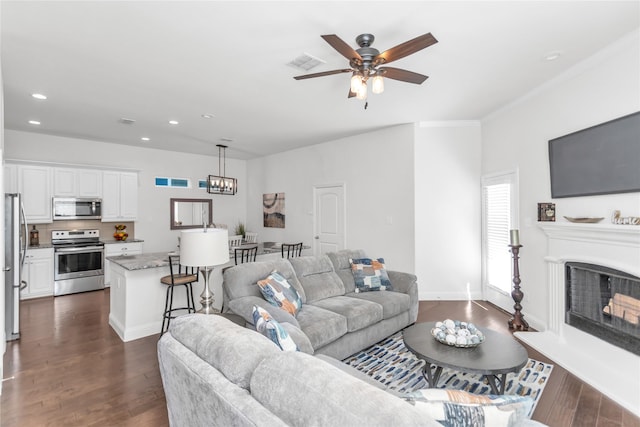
x=568 y=338
x=604 y=302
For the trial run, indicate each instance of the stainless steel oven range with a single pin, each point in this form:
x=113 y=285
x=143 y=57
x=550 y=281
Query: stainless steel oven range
x=78 y=261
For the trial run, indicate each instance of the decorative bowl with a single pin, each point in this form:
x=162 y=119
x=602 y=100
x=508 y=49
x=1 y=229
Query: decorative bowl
x=584 y=220
x=457 y=334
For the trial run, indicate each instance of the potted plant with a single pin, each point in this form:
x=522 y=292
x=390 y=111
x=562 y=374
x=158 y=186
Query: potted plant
x=240 y=230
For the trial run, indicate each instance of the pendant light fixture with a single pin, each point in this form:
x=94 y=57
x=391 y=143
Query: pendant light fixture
x=221 y=184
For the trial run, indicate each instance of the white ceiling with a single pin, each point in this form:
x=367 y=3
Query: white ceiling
x=154 y=61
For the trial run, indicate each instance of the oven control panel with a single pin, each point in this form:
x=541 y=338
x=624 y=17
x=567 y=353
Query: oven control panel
x=74 y=234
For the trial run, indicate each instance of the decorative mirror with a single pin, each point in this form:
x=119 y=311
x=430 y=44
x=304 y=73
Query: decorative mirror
x=190 y=213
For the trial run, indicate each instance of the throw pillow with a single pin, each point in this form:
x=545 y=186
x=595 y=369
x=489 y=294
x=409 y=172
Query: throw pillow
x=370 y=275
x=277 y=290
x=462 y=409
x=270 y=328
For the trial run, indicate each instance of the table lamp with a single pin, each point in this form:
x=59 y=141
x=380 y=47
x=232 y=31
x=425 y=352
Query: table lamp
x=204 y=248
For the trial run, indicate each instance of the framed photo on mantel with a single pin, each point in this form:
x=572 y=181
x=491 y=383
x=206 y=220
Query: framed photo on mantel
x=546 y=211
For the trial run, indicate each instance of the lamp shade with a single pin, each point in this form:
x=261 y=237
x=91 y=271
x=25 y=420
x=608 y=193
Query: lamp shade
x=204 y=247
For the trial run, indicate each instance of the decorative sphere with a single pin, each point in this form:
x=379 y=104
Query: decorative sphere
x=461 y=341
x=451 y=339
x=450 y=324
x=439 y=325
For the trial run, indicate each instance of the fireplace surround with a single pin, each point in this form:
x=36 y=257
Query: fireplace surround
x=609 y=368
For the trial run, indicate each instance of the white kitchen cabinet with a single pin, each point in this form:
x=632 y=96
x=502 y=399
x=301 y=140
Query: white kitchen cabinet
x=37 y=272
x=72 y=182
x=11 y=179
x=119 y=196
x=118 y=249
x=34 y=182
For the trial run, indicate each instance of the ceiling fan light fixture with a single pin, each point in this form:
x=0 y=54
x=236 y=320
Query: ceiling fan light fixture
x=356 y=81
x=361 y=93
x=377 y=84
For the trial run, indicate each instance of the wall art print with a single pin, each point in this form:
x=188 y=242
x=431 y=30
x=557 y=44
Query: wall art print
x=273 y=210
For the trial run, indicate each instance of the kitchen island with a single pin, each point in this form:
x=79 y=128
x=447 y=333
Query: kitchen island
x=138 y=297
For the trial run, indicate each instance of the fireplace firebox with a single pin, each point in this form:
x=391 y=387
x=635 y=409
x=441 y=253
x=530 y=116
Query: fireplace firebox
x=605 y=303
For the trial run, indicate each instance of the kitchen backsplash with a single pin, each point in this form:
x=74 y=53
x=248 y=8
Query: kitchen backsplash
x=106 y=228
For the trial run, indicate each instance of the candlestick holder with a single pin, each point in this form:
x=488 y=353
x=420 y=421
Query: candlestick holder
x=517 y=321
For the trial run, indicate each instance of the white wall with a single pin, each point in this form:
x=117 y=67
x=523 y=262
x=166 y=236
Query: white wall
x=602 y=88
x=3 y=344
x=153 y=203
x=447 y=203
x=377 y=169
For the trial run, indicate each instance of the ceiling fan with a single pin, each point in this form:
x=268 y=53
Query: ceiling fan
x=367 y=62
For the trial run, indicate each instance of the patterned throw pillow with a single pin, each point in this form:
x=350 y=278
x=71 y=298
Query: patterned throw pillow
x=370 y=275
x=270 y=328
x=280 y=293
x=462 y=409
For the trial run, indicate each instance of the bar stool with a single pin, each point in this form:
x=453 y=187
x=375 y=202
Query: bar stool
x=185 y=279
x=245 y=254
x=292 y=249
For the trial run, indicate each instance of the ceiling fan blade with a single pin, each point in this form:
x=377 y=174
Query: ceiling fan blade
x=341 y=46
x=406 y=48
x=403 y=75
x=324 y=73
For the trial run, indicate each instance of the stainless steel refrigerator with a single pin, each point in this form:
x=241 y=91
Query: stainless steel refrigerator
x=15 y=246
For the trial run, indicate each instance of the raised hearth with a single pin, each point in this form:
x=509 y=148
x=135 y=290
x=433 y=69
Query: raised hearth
x=611 y=369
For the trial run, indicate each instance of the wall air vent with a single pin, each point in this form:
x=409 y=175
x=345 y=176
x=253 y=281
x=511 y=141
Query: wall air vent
x=306 y=62
x=126 y=121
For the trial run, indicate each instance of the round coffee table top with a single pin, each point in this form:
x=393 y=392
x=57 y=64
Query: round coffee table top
x=498 y=354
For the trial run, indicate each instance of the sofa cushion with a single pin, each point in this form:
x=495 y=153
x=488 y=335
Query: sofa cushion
x=319 y=394
x=234 y=351
x=277 y=290
x=393 y=303
x=240 y=280
x=267 y=326
x=358 y=312
x=321 y=326
x=342 y=266
x=471 y=410
x=370 y=275
x=317 y=277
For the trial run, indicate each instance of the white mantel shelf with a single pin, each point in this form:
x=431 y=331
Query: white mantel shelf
x=602 y=233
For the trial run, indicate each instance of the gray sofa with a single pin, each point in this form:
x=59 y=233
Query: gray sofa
x=334 y=319
x=216 y=373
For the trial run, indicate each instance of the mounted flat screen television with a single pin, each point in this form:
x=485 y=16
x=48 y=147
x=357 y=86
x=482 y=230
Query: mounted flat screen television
x=603 y=159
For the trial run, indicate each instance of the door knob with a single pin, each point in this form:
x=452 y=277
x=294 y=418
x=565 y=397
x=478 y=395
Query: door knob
x=317 y=237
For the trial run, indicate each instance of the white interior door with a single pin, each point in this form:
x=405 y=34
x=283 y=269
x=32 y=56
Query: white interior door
x=329 y=219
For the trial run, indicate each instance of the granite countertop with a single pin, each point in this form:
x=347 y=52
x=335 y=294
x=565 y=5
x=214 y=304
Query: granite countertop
x=141 y=261
x=40 y=246
x=114 y=241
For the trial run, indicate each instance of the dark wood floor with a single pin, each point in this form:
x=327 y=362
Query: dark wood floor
x=70 y=369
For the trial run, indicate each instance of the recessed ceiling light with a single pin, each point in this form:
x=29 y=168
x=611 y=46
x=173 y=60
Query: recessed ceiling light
x=145 y=138
x=173 y=122
x=38 y=96
x=207 y=116
x=34 y=122
x=552 y=56
x=226 y=139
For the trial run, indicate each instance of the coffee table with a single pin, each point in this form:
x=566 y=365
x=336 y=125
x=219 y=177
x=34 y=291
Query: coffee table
x=497 y=356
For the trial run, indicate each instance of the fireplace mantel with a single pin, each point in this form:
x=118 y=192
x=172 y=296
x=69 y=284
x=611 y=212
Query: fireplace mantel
x=626 y=235
x=611 y=245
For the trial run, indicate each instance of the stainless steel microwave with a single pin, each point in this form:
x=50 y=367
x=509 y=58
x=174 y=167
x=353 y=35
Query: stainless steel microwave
x=65 y=208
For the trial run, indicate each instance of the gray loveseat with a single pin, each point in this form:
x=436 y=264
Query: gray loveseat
x=334 y=319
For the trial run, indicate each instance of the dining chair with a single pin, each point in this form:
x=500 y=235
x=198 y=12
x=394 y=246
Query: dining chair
x=184 y=276
x=292 y=250
x=245 y=254
x=250 y=237
x=235 y=240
